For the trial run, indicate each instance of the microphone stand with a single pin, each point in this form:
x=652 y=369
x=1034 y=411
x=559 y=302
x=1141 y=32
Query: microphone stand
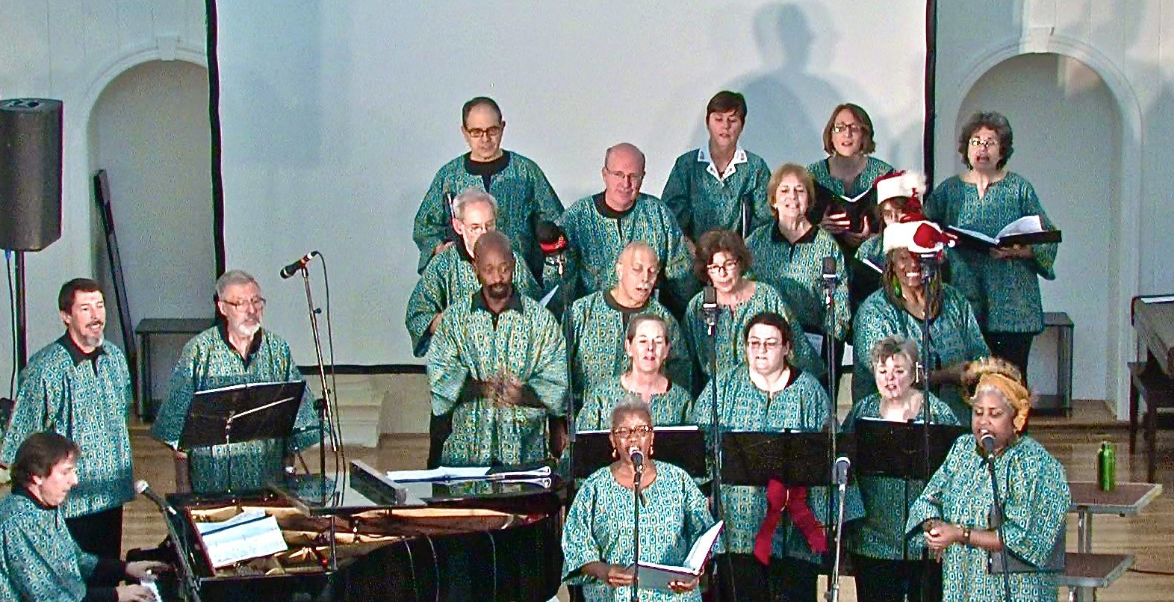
x=928 y=264
x=560 y=261
x=997 y=519
x=833 y=592
x=636 y=531
x=829 y=286
x=711 y=316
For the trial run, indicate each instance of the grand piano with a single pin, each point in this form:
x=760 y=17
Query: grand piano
x=359 y=537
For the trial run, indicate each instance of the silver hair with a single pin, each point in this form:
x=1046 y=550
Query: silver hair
x=993 y=390
x=627 y=145
x=469 y=196
x=893 y=346
x=233 y=277
x=631 y=404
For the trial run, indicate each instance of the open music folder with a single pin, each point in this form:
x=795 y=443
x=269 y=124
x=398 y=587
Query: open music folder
x=658 y=576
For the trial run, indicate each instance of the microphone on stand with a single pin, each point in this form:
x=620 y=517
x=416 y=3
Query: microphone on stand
x=293 y=268
x=709 y=308
x=829 y=271
x=842 y=465
x=142 y=488
x=987 y=441
x=637 y=457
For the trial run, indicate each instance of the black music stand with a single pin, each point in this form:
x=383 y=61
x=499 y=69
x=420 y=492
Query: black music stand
x=896 y=449
x=241 y=413
x=797 y=459
x=682 y=446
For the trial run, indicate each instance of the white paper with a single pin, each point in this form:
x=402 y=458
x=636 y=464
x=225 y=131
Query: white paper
x=444 y=473
x=545 y=301
x=247 y=535
x=816 y=341
x=848 y=355
x=1028 y=224
x=658 y=576
x=1162 y=299
x=974 y=234
x=868 y=262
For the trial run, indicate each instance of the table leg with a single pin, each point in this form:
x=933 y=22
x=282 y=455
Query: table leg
x=1064 y=369
x=1084 y=531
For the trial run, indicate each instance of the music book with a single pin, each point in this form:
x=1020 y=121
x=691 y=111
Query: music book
x=658 y=576
x=1027 y=230
x=855 y=207
x=247 y=535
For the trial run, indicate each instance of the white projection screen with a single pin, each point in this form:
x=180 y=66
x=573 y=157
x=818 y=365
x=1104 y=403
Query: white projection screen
x=335 y=116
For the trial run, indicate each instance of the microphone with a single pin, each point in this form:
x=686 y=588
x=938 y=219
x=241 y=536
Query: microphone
x=987 y=441
x=829 y=271
x=143 y=488
x=551 y=239
x=709 y=307
x=637 y=457
x=293 y=268
x=842 y=465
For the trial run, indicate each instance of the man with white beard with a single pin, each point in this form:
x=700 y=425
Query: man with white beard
x=237 y=351
x=79 y=387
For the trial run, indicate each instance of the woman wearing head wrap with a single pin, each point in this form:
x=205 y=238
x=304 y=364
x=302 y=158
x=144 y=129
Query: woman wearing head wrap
x=954 y=511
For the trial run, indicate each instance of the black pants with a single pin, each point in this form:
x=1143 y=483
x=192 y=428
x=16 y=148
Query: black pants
x=1011 y=346
x=744 y=579
x=891 y=580
x=100 y=533
x=439 y=428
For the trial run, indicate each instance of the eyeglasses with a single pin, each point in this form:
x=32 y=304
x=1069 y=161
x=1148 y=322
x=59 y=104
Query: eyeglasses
x=492 y=132
x=855 y=128
x=724 y=268
x=255 y=302
x=987 y=143
x=619 y=175
x=767 y=344
x=640 y=431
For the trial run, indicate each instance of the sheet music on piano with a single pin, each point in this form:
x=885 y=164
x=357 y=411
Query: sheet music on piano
x=250 y=534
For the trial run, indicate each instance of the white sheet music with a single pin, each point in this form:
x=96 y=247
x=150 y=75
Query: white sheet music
x=247 y=535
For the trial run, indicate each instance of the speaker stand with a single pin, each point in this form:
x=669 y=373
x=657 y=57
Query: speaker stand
x=21 y=309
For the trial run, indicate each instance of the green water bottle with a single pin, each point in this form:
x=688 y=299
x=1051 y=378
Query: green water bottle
x=1107 y=467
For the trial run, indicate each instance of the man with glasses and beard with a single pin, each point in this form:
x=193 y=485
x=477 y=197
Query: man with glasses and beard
x=79 y=387
x=236 y=351
x=498 y=364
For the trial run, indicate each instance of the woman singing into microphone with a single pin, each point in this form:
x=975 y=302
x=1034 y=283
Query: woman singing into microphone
x=597 y=536
x=954 y=509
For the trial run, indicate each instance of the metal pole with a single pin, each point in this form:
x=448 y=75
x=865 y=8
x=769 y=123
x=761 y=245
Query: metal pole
x=21 y=309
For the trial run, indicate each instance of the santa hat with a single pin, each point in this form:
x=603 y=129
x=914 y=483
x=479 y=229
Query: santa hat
x=910 y=184
x=920 y=237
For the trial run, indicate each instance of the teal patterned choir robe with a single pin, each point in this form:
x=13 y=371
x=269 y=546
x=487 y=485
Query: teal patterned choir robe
x=702 y=199
x=881 y=533
x=524 y=341
x=1034 y=491
x=87 y=399
x=524 y=196
x=1008 y=288
x=668 y=408
x=598 y=324
x=957 y=273
x=450 y=277
x=599 y=529
x=955 y=335
x=802 y=406
x=731 y=326
x=597 y=234
x=796 y=271
x=39 y=559
x=821 y=172
x=208 y=361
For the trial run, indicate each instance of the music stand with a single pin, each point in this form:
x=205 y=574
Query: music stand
x=797 y=459
x=896 y=449
x=683 y=446
x=241 y=413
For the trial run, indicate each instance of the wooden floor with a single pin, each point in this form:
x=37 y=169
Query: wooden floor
x=1074 y=442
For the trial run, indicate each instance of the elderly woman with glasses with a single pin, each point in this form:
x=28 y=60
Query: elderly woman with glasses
x=986 y=198
x=954 y=511
x=769 y=556
x=597 y=537
x=889 y=566
x=722 y=261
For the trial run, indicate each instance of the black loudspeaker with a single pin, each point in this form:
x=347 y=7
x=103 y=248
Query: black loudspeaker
x=30 y=173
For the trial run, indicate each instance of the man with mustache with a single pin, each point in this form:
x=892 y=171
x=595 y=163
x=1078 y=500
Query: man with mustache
x=236 y=351
x=600 y=319
x=498 y=363
x=79 y=387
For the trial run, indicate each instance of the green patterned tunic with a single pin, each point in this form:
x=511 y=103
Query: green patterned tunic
x=1009 y=289
x=597 y=349
x=599 y=529
x=957 y=272
x=955 y=334
x=87 y=399
x=796 y=271
x=731 y=324
x=523 y=195
x=881 y=533
x=1034 y=490
x=702 y=200
x=39 y=560
x=524 y=341
x=209 y=362
x=821 y=172
x=597 y=234
x=451 y=276
x=668 y=408
x=802 y=406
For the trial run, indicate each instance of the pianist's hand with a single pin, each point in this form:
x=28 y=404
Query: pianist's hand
x=134 y=593
x=143 y=568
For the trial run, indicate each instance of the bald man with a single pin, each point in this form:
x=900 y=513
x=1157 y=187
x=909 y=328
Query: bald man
x=598 y=227
x=600 y=319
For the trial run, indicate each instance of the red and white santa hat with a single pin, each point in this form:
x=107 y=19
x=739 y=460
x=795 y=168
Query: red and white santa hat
x=909 y=184
x=920 y=236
